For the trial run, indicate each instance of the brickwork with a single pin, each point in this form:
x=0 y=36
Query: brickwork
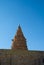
x=18 y=57
x=19 y=41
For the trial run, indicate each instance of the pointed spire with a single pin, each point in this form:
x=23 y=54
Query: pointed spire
x=19 y=26
x=19 y=41
x=19 y=31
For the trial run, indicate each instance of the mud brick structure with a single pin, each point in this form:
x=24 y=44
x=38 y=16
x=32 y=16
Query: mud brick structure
x=19 y=54
x=19 y=41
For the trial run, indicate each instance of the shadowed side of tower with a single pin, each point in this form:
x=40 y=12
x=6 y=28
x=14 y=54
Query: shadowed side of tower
x=19 y=41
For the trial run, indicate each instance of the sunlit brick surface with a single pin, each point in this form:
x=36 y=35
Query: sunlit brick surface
x=19 y=41
x=18 y=57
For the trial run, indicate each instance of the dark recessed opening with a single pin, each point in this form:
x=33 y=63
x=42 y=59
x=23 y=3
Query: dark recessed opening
x=43 y=60
x=0 y=62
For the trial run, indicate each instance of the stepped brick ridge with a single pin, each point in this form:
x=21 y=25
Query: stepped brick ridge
x=19 y=41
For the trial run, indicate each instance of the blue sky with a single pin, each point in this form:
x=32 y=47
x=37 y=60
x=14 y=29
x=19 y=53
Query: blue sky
x=30 y=15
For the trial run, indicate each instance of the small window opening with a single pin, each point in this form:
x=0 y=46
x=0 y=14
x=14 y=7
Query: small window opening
x=43 y=60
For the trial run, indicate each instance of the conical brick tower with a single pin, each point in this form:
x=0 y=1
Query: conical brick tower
x=19 y=41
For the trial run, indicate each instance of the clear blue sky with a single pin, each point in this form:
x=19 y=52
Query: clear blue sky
x=30 y=15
